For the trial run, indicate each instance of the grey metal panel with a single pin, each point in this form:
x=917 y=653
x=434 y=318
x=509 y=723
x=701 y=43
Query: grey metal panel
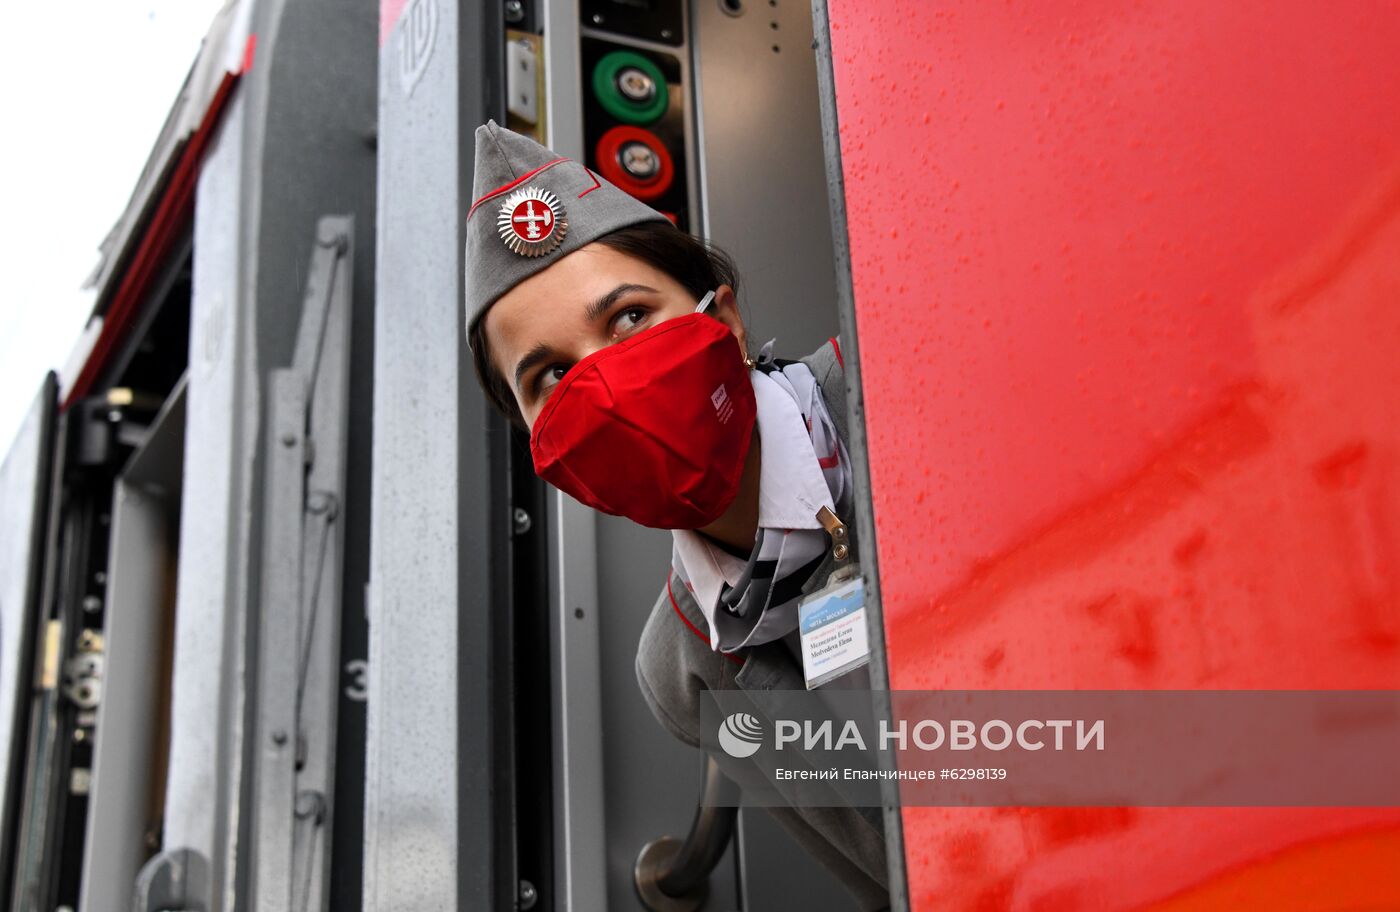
x=207 y=729
x=299 y=628
x=564 y=104
x=580 y=825
x=653 y=780
x=762 y=175
x=430 y=807
x=778 y=874
x=24 y=488
x=311 y=151
x=323 y=551
x=277 y=739
x=855 y=404
x=141 y=570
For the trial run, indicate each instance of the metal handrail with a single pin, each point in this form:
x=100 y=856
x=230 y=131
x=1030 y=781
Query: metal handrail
x=673 y=876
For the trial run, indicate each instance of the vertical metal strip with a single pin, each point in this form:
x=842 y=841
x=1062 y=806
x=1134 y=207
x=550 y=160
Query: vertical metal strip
x=563 y=100
x=26 y=489
x=580 y=831
x=432 y=793
x=580 y=828
x=865 y=513
x=275 y=738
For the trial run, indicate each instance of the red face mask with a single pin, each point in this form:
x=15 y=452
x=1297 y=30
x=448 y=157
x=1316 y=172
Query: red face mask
x=655 y=427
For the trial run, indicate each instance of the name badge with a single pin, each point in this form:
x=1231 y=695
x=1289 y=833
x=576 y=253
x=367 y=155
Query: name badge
x=834 y=638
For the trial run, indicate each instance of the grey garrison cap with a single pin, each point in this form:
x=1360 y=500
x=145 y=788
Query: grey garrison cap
x=530 y=208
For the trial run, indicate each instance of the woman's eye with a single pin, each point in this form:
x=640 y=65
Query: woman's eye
x=550 y=376
x=628 y=319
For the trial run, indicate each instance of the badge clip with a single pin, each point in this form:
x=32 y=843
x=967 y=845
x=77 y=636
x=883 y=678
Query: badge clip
x=840 y=549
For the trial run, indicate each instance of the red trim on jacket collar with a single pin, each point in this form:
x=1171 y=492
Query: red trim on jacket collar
x=696 y=630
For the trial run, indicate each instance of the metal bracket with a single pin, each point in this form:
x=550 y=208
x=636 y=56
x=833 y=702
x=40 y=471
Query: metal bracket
x=82 y=671
x=298 y=647
x=673 y=876
x=172 y=881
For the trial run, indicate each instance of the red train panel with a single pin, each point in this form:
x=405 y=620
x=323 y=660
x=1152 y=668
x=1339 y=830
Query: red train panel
x=1127 y=286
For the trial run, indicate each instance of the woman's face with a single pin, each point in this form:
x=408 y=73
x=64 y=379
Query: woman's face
x=590 y=299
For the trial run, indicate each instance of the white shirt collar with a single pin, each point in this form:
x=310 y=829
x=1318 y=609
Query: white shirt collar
x=791 y=489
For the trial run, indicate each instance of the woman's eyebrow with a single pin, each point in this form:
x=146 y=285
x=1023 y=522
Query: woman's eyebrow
x=603 y=304
x=595 y=310
x=532 y=357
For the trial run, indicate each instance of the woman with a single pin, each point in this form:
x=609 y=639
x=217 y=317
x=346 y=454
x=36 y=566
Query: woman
x=616 y=341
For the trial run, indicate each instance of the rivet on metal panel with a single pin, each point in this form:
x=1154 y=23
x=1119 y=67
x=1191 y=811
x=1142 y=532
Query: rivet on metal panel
x=82 y=679
x=311 y=804
x=323 y=502
x=336 y=240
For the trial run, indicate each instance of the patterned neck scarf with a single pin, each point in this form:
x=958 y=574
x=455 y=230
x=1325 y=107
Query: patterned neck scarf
x=760 y=605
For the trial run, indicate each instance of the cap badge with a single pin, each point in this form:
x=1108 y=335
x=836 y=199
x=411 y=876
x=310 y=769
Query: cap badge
x=532 y=222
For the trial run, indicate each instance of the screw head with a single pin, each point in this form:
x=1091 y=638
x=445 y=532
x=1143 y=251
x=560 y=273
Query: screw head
x=520 y=521
x=636 y=85
x=639 y=160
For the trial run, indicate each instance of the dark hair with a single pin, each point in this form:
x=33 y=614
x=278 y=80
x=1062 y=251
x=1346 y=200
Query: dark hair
x=696 y=265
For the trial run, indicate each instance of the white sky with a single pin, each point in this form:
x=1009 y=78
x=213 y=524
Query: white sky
x=84 y=89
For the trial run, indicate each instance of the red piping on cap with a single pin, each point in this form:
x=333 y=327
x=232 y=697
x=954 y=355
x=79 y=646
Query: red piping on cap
x=595 y=186
x=524 y=177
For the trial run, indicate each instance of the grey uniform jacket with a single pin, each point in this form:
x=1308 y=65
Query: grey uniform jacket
x=674 y=664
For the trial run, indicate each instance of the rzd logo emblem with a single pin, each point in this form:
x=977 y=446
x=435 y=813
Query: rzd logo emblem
x=419 y=35
x=724 y=406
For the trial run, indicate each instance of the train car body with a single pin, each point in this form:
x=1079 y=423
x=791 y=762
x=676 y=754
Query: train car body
x=288 y=622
